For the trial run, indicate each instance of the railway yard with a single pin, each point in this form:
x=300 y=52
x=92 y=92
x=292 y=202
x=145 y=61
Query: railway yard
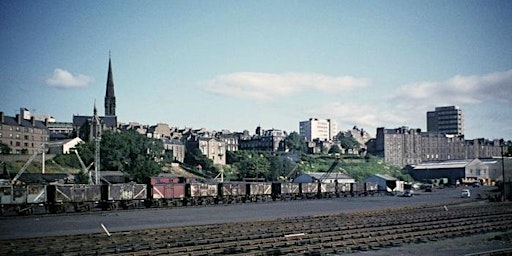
x=364 y=226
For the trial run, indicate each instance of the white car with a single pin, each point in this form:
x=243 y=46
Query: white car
x=465 y=193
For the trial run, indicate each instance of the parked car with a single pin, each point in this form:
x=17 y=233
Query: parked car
x=465 y=193
x=477 y=184
x=408 y=193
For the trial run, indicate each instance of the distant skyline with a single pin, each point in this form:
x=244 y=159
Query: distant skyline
x=239 y=64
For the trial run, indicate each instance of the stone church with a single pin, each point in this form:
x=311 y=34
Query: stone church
x=89 y=128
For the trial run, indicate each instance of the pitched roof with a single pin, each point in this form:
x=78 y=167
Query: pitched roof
x=443 y=164
x=332 y=175
x=12 y=121
x=385 y=177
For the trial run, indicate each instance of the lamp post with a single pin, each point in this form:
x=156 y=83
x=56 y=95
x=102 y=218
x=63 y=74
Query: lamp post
x=503 y=170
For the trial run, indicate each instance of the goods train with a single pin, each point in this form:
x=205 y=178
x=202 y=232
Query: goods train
x=163 y=192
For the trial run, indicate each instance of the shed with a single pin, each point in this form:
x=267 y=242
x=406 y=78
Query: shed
x=464 y=171
x=63 y=146
x=326 y=178
x=386 y=183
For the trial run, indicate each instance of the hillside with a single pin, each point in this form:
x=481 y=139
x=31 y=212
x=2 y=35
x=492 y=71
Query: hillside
x=357 y=167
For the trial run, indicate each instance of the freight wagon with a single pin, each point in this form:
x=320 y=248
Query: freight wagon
x=82 y=197
x=164 y=192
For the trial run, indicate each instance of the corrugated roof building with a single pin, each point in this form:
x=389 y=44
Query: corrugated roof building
x=325 y=178
x=464 y=171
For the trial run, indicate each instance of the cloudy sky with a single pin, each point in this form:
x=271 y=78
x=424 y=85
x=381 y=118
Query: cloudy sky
x=239 y=64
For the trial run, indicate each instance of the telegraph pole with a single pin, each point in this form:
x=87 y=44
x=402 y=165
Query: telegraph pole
x=97 y=160
x=503 y=171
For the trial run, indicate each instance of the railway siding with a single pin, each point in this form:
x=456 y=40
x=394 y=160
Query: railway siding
x=328 y=234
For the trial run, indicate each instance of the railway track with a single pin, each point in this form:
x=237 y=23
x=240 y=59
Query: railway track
x=314 y=235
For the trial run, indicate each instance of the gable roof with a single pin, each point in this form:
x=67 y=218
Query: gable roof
x=332 y=175
x=384 y=177
x=452 y=164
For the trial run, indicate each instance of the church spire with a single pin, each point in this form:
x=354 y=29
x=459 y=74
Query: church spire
x=95 y=111
x=110 y=98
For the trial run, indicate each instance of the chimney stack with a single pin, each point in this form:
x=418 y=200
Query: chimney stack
x=2 y=117
x=33 y=120
x=18 y=118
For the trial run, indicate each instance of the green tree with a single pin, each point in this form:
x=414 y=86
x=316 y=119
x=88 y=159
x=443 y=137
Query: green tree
x=4 y=149
x=349 y=143
x=196 y=158
x=280 y=165
x=133 y=153
x=255 y=166
x=295 y=142
x=335 y=149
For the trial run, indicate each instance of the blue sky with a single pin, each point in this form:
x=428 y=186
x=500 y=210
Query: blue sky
x=239 y=64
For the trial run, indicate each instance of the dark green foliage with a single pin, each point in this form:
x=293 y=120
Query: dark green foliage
x=4 y=149
x=261 y=164
x=195 y=158
x=82 y=178
x=280 y=165
x=335 y=149
x=295 y=142
x=129 y=152
x=132 y=153
x=233 y=157
x=255 y=166
x=349 y=143
x=69 y=160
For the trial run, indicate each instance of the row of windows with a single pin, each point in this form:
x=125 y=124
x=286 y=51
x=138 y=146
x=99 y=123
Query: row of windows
x=25 y=129
x=18 y=136
x=19 y=144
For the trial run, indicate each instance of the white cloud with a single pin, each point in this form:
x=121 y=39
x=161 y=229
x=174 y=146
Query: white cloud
x=64 y=79
x=368 y=117
x=267 y=86
x=458 y=90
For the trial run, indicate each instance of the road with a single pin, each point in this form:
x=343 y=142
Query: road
x=48 y=225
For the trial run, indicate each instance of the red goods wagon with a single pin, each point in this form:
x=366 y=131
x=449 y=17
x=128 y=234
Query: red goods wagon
x=309 y=189
x=259 y=191
x=327 y=190
x=82 y=197
x=201 y=193
x=167 y=194
x=231 y=192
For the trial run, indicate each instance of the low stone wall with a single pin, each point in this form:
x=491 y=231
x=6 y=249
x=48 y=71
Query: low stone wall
x=23 y=158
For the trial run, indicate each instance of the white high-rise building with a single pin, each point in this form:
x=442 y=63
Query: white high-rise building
x=315 y=128
x=448 y=120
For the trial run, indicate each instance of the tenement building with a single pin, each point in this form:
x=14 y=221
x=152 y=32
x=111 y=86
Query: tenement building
x=264 y=140
x=23 y=136
x=90 y=127
x=403 y=146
